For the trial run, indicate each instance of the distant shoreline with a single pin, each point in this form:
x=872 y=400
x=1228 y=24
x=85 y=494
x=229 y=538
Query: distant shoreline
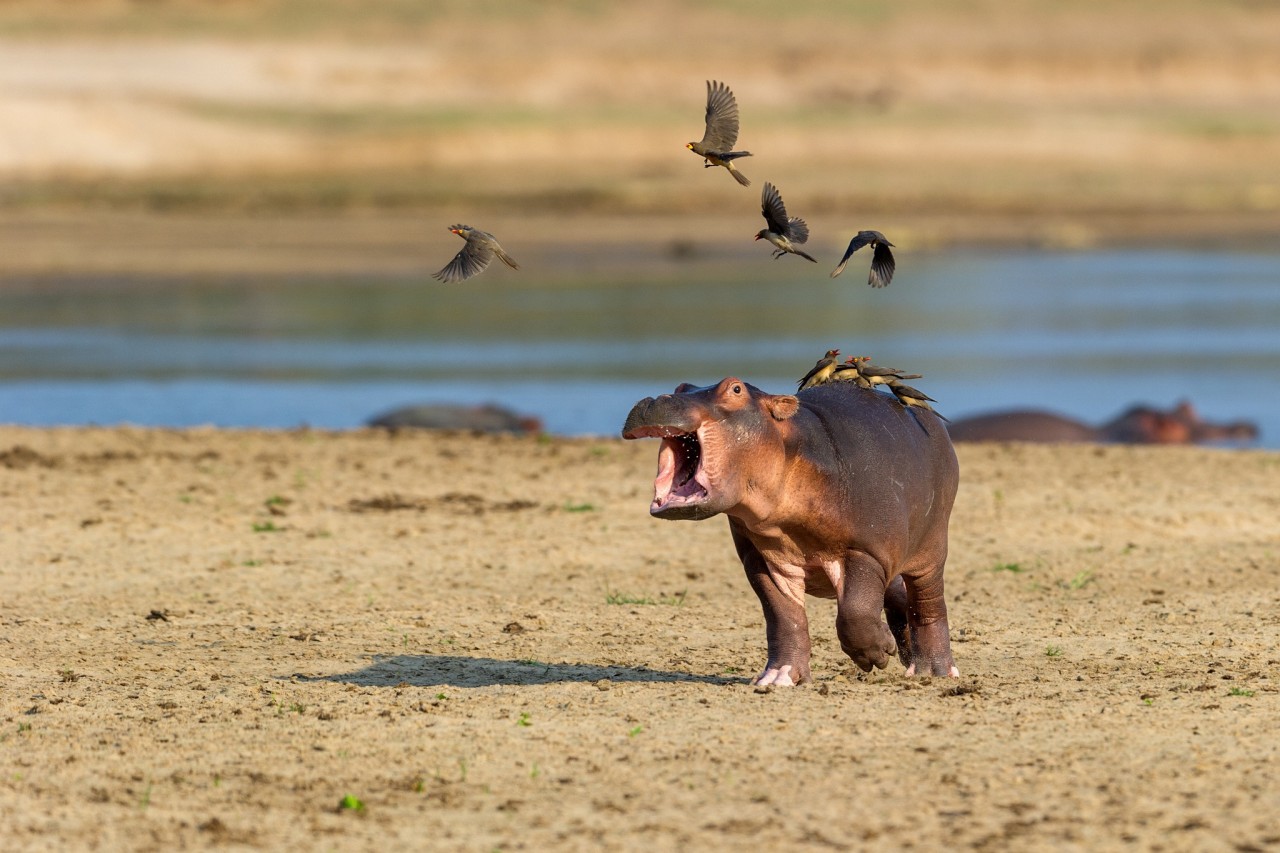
x=63 y=246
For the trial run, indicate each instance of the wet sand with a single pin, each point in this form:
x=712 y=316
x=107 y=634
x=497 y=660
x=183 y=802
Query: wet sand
x=211 y=638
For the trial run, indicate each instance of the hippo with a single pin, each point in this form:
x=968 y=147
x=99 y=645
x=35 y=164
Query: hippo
x=1136 y=425
x=837 y=492
x=486 y=418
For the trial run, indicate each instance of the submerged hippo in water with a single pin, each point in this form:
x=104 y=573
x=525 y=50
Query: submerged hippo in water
x=484 y=418
x=837 y=492
x=1136 y=425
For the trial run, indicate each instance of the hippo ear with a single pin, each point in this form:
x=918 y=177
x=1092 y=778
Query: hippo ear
x=781 y=406
x=684 y=386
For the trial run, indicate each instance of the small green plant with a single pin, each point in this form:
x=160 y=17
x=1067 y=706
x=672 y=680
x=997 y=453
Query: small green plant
x=1148 y=700
x=535 y=772
x=297 y=707
x=624 y=598
x=251 y=563
x=352 y=803
x=266 y=527
x=276 y=500
x=582 y=507
x=68 y=676
x=1240 y=691
x=1082 y=579
x=24 y=727
x=1053 y=651
x=635 y=730
x=1012 y=568
x=523 y=720
x=441 y=696
x=145 y=800
x=186 y=499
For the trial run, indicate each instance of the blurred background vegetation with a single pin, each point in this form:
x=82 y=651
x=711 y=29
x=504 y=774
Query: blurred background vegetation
x=1043 y=123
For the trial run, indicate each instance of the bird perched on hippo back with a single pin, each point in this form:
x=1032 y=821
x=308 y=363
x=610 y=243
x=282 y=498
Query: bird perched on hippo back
x=882 y=262
x=721 y=132
x=836 y=492
x=479 y=251
x=912 y=397
x=823 y=371
x=784 y=232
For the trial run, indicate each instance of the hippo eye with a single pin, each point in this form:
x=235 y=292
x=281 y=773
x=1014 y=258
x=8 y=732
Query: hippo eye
x=737 y=389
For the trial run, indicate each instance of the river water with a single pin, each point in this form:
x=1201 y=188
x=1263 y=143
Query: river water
x=1082 y=333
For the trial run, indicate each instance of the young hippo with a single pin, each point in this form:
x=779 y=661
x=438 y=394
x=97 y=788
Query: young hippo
x=838 y=491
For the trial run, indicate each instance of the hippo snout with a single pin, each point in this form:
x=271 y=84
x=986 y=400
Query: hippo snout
x=636 y=418
x=662 y=416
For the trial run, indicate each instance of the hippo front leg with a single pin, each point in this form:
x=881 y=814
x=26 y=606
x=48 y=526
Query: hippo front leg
x=786 y=623
x=865 y=638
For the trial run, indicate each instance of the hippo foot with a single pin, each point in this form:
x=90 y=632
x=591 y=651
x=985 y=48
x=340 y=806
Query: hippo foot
x=780 y=676
x=871 y=647
x=952 y=673
x=930 y=651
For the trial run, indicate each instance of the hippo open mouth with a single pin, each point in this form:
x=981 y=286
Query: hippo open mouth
x=681 y=485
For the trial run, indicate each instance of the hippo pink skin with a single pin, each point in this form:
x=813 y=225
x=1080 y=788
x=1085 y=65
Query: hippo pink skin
x=1136 y=425
x=837 y=492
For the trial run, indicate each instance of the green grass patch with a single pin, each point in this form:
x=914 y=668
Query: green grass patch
x=624 y=598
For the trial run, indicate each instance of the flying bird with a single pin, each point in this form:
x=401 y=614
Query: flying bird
x=821 y=372
x=783 y=232
x=474 y=256
x=882 y=263
x=721 y=133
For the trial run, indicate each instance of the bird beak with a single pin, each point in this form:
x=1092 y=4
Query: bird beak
x=689 y=145
x=757 y=237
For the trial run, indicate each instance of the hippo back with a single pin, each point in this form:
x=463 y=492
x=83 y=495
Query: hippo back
x=1022 y=426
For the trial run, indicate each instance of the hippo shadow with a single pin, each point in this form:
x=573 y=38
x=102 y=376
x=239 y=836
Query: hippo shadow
x=460 y=671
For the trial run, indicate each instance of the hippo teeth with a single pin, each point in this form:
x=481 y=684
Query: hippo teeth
x=690 y=455
x=679 y=462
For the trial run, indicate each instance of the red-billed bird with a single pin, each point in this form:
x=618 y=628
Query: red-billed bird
x=721 y=133
x=783 y=232
x=821 y=372
x=882 y=263
x=474 y=256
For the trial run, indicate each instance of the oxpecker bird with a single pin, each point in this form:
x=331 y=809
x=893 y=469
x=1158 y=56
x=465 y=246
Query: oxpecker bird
x=882 y=263
x=821 y=372
x=721 y=133
x=783 y=232
x=909 y=396
x=474 y=256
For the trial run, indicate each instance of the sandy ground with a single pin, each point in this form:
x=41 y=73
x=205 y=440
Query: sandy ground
x=211 y=638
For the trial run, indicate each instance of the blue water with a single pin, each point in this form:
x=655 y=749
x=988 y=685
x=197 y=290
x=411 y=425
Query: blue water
x=1086 y=334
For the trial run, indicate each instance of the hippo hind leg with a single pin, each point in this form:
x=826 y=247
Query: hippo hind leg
x=917 y=615
x=895 y=612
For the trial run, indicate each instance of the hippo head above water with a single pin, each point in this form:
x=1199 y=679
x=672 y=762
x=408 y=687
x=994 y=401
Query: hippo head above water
x=703 y=430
